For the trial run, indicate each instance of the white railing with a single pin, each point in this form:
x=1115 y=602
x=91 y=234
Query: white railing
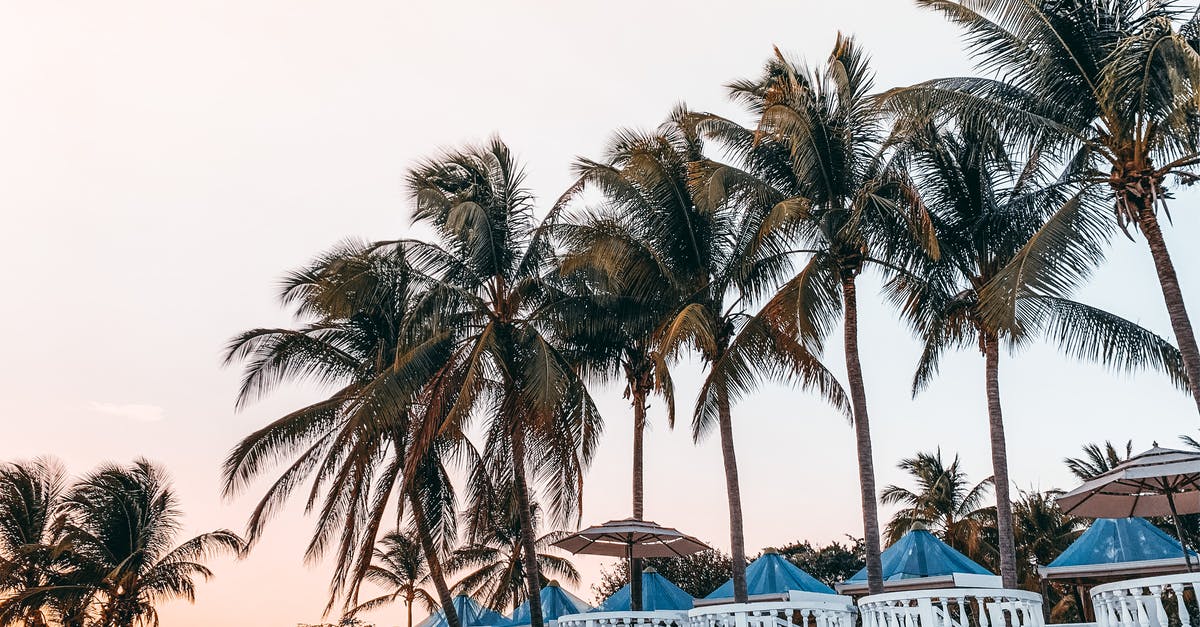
x=801 y=609
x=1147 y=602
x=953 y=607
x=660 y=618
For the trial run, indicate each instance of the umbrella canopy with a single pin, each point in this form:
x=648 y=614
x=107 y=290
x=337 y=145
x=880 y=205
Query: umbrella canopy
x=772 y=574
x=631 y=538
x=1159 y=482
x=658 y=593
x=470 y=614
x=556 y=602
x=919 y=554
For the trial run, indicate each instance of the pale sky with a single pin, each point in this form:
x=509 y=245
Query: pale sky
x=163 y=163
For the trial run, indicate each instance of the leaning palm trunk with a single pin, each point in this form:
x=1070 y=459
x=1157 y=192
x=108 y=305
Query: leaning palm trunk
x=1004 y=516
x=436 y=574
x=862 y=435
x=1169 y=282
x=737 y=541
x=639 y=395
x=533 y=574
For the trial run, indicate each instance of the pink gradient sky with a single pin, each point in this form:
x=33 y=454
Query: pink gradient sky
x=162 y=163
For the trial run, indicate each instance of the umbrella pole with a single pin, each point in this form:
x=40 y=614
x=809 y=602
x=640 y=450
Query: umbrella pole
x=1187 y=559
x=635 y=581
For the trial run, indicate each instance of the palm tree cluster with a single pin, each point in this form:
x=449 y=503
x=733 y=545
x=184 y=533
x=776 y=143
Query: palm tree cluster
x=981 y=203
x=97 y=552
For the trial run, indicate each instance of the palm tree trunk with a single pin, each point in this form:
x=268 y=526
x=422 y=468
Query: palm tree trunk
x=533 y=575
x=639 y=433
x=1004 y=517
x=862 y=437
x=737 y=540
x=436 y=574
x=410 y=604
x=1169 y=282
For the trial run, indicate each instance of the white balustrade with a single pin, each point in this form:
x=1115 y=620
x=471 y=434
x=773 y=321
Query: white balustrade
x=953 y=607
x=660 y=618
x=801 y=609
x=1148 y=602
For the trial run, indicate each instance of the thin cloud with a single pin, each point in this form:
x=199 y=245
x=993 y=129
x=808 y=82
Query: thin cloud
x=136 y=412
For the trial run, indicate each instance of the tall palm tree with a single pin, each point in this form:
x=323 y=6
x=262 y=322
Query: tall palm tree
x=488 y=295
x=818 y=164
x=670 y=232
x=1114 y=80
x=984 y=207
x=31 y=530
x=400 y=568
x=945 y=502
x=122 y=527
x=355 y=332
x=493 y=553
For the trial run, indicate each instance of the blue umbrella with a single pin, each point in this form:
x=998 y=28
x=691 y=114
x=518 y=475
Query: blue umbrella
x=658 y=593
x=772 y=574
x=556 y=602
x=919 y=554
x=470 y=614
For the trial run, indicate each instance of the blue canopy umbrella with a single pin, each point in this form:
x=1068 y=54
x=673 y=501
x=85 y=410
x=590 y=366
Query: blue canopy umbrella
x=658 y=593
x=1117 y=546
x=556 y=602
x=772 y=574
x=470 y=614
x=919 y=554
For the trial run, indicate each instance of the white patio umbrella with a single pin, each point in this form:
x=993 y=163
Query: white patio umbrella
x=631 y=538
x=1159 y=482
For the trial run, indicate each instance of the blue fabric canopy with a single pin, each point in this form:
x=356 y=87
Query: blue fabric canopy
x=772 y=574
x=1116 y=540
x=918 y=554
x=556 y=602
x=658 y=593
x=470 y=614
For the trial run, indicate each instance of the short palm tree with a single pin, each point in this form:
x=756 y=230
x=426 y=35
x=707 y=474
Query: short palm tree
x=122 y=526
x=488 y=294
x=662 y=237
x=1115 y=81
x=819 y=167
x=1042 y=533
x=1097 y=460
x=355 y=332
x=400 y=568
x=944 y=501
x=31 y=529
x=492 y=555
x=985 y=207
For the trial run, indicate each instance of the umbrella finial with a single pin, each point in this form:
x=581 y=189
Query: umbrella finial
x=553 y=583
x=1154 y=443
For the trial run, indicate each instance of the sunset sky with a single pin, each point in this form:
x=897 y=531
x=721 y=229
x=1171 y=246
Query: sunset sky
x=163 y=163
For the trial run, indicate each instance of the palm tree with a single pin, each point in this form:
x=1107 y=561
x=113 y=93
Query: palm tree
x=122 y=526
x=663 y=234
x=1116 y=81
x=1042 y=533
x=493 y=554
x=356 y=333
x=488 y=295
x=401 y=568
x=818 y=165
x=944 y=502
x=984 y=207
x=1097 y=460
x=31 y=527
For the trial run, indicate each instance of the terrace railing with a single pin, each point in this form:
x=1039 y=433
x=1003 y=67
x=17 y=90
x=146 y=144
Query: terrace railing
x=1168 y=601
x=799 y=609
x=953 y=607
x=661 y=618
